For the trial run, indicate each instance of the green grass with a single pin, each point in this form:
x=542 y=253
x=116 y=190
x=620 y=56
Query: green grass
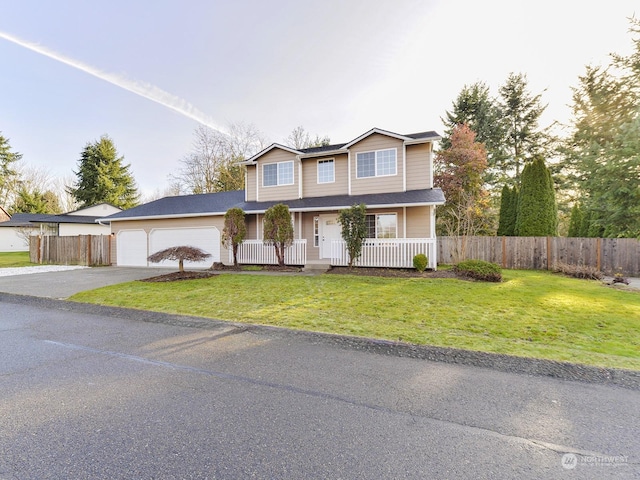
x=531 y=313
x=14 y=259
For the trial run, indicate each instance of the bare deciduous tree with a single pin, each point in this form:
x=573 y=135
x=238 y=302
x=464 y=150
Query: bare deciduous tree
x=300 y=138
x=212 y=165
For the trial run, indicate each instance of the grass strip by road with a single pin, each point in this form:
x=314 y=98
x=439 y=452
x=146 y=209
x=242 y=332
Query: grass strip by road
x=531 y=313
x=14 y=259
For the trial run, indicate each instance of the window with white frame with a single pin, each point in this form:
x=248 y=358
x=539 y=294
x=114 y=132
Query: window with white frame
x=326 y=171
x=376 y=164
x=280 y=173
x=382 y=225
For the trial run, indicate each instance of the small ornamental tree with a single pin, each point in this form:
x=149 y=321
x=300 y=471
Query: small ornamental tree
x=182 y=253
x=278 y=229
x=234 y=232
x=354 y=229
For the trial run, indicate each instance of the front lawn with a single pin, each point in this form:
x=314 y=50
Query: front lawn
x=531 y=313
x=14 y=259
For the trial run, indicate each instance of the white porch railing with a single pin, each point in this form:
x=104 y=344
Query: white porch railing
x=256 y=252
x=386 y=252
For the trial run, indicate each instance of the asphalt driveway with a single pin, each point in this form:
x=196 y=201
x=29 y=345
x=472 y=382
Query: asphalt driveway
x=62 y=285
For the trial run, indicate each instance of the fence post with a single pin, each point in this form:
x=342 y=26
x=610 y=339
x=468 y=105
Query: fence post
x=548 y=253
x=504 y=252
x=598 y=253
x=39 y=254
x=88 y=250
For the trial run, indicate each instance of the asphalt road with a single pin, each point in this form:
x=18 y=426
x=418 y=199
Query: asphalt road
x=89 y=394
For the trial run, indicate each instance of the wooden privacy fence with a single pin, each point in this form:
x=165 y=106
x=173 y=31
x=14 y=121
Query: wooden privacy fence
x=89 y=250
x=610 y=255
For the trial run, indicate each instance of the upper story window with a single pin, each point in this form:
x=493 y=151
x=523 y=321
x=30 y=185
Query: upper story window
x=326 y=171
x=376 y=164
x=382 y=225
x=280 y=173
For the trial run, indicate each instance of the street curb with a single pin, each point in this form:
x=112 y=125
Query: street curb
x=629 y=379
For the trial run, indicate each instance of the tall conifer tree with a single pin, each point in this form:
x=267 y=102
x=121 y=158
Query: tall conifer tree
x=537 y=209
x=103 y=177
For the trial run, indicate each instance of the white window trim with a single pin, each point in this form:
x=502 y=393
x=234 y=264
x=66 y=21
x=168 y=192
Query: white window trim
x=325 y=160
x=278 y=184
x=375 y=164
x=376 y=223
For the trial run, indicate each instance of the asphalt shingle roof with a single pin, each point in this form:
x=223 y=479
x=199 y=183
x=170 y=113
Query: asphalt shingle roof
x=26 y=220
x=219 y=203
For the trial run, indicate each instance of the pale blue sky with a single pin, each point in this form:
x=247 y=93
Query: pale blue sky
x=336 y=67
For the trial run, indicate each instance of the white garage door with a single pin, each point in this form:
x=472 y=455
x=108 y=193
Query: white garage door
x=204 y=238
x=131 y=246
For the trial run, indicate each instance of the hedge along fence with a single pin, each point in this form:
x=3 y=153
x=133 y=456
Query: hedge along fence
x=609 y=255
x=89 y=250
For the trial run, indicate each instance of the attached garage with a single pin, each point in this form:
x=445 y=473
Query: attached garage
x=131 y=246
x=206 y=239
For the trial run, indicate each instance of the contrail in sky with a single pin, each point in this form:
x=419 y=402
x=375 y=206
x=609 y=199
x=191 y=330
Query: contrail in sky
x=144 y=89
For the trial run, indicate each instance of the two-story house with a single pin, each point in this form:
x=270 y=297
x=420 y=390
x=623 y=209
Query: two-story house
x=390 y=173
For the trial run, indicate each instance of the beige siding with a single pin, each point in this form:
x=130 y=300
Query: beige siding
x=418 y=173
x=313 y=253
x=285 y=192
x=418 y=222
x=252 y=227
x=148 y=225
x=251 y=183
x=386 y=184
x=310 y=185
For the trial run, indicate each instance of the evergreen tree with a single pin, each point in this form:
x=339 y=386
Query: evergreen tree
x=8 y=175
x=234 y=232
x=103 y=178
x=520 y=111
x=354 y=230
x=537 y=210
x=278 y=229
x=36 y=202
x=508 y=211
x=603 y=152
x=475 y=107
x=576 y=221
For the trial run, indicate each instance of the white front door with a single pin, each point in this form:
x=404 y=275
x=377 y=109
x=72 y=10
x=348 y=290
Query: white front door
x=330 y=230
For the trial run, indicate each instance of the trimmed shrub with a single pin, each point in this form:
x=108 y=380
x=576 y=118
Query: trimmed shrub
x=420 y=262
x=479 y=270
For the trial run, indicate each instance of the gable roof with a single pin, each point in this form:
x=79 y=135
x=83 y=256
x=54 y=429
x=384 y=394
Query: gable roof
x=409 y=139
x=207 y=204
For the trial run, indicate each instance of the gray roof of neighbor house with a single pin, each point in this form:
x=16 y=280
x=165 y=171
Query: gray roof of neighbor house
x=86 y=219
x=219 y=203
x=26 y=220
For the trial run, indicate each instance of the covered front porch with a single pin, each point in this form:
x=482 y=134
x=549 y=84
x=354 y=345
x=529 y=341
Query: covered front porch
x=380 y=253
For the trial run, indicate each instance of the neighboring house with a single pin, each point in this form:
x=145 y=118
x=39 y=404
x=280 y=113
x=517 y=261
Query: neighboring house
x=391 y=173
x=85 y=221
x=15 y=232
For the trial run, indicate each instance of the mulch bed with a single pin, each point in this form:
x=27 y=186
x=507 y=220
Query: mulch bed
x=176 y=276
x=367 y=272
x=392 y=272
